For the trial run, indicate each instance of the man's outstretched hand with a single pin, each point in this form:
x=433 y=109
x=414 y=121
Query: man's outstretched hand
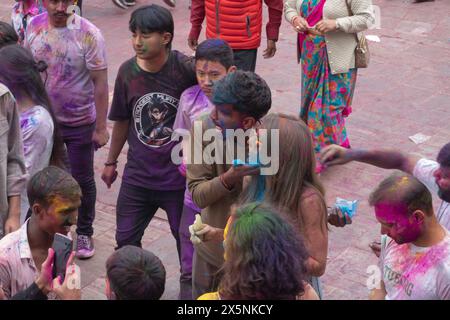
x=334 y=155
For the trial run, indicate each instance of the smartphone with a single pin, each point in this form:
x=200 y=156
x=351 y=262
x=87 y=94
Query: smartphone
x=62 y=245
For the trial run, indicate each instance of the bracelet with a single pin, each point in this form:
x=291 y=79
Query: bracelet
x=112 y=163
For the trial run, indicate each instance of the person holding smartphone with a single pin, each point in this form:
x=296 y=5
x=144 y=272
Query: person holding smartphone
x=132 y=273
x=54 y=198
x=46 y=283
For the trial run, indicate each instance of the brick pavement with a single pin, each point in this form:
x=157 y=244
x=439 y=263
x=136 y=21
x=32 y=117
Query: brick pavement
x=405 y=91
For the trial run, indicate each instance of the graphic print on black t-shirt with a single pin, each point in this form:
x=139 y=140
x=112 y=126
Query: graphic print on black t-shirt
x=154 y=115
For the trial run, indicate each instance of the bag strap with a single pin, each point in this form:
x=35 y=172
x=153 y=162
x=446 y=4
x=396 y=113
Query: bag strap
x=348 y=8
x=350 y=12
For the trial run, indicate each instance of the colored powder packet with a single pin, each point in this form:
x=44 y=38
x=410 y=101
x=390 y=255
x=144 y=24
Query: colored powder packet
x=347 y=206
x=261 y=188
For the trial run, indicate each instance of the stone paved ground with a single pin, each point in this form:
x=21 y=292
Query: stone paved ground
x=405 y=91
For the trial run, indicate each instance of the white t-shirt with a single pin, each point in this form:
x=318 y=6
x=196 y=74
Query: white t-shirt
x=71 y=54
x=416 y=273
x=37 y=128
x=424 y=171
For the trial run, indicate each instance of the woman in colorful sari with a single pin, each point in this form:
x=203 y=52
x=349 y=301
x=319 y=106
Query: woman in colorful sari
x=326 y=42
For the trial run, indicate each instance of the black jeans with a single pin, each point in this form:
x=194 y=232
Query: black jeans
x=245 y=59
x=80 y=148
x=136 y=207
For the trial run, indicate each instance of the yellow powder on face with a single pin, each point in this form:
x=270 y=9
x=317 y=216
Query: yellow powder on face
x=60 y=205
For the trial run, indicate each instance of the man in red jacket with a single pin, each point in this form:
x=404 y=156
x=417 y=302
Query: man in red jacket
x=239 y=22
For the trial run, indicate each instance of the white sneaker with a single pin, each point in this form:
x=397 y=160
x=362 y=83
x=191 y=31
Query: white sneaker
x=170 y=3
x=85 y=247
x=120 y=3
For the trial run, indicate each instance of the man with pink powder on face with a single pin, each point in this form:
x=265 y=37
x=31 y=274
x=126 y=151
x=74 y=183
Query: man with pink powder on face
x=434 y=174
x=415 y=255
x=77 y=84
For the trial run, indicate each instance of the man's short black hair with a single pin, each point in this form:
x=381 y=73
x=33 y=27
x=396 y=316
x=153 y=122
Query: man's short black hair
x=135 y=274
x=152 y=18
x=216 y=50
x=403 y=189
x=7 y=35
x=443 y=157
x=49 y=183
x=247 y=92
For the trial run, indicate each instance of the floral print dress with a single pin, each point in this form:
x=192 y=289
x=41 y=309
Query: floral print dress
x=326 y=98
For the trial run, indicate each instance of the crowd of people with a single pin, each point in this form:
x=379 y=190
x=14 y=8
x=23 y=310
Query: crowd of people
x=259 y=236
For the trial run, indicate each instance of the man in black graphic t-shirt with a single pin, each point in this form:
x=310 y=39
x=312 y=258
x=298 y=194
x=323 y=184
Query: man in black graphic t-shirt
x=145 y=102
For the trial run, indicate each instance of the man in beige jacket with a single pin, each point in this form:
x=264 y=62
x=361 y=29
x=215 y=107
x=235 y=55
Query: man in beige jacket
x=13 y=173
x=241 y=99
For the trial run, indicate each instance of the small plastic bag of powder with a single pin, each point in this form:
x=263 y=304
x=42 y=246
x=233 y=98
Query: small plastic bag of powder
x=347 y=206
